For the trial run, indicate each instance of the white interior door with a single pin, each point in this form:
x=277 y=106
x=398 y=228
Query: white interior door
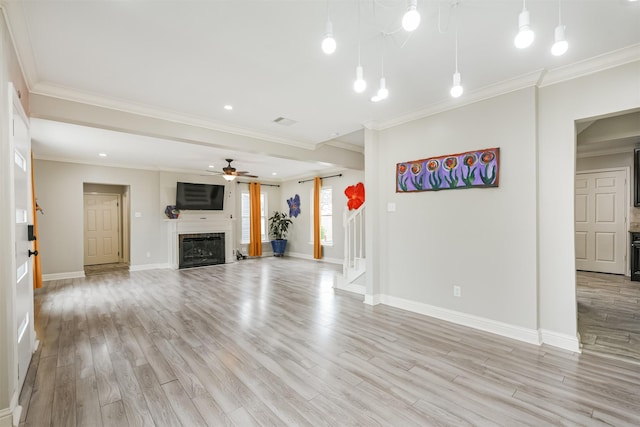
x=601 y=221
x=101 y=228
x=21 y=145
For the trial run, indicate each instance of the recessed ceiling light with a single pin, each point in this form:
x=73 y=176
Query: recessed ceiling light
x=274 y=173
x=211 y=166
x=102 y=154
x=228 y=107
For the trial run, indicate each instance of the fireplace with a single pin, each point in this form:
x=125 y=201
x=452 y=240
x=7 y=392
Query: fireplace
x=196 y=250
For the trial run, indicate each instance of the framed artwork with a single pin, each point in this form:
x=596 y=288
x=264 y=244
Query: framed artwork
x=471 y=169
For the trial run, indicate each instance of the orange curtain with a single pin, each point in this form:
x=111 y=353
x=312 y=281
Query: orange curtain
x=317 y=247
x=255 y=234
x=37 y=270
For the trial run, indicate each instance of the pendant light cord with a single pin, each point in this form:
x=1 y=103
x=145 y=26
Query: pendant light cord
x=358 y=33
x=560 y=12
x=456 y=47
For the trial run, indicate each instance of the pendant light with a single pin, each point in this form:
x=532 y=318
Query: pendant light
x=411 y=18
x=525 y=35
x=359 y=85
x=560 y=45
x=328 y=43
x=456 y=89
x=383 y=92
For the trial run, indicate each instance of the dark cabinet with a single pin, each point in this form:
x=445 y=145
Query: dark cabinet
x=635 y=256
x=636 y=177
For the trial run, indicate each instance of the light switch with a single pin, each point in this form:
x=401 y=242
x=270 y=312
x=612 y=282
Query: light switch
x=138 y=214
x=391 y=207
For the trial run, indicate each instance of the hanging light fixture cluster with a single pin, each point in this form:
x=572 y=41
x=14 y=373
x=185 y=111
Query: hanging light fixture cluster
x=411 y=21
x=525 y=35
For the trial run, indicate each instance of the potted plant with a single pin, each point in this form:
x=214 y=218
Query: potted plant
x=278 y=227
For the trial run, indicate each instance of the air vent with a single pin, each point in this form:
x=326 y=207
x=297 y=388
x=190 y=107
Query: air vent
x=284 y=121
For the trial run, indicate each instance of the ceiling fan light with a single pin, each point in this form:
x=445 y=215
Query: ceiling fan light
x=329 y=43
x=525 y=35
x=411 y=18
x=456 y=89
x=229 y=177
x=561 y=45
x=360 y=84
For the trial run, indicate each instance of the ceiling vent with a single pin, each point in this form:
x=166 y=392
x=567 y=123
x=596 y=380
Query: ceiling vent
x=283 y=121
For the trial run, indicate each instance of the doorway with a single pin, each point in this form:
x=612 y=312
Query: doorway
x=607 y=300
x=106 y=228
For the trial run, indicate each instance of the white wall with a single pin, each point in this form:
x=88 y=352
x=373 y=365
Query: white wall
x=59 y=189
x=560 y=105
x=299 y=239
x=483 y=240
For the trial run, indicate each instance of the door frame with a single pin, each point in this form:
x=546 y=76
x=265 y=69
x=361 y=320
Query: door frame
x=627 y=211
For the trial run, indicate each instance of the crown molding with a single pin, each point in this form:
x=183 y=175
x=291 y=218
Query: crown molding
x=26 y=62
x=343 y=145
x=539 y=78
x=598 y=63
x=67 y=94
x=501 y=88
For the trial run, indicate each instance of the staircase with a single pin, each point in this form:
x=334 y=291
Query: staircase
x=353 y=266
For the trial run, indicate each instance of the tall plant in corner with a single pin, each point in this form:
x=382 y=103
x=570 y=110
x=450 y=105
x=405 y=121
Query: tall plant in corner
x=279 y=224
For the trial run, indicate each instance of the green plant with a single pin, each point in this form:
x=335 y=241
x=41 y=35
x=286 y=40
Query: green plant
x=279 y=225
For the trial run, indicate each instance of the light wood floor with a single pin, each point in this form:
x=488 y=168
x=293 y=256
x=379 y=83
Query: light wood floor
x=269 y=342
x=609 y=314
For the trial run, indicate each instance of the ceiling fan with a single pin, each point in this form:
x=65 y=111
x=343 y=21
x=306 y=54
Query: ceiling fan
x=230 y=173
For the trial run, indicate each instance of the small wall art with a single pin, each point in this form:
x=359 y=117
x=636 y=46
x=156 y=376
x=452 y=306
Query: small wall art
x=355 y=196
x=471 y=169
x=294 y=206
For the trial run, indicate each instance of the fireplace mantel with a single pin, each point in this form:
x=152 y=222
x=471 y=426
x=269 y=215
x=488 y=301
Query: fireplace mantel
x=176 y=227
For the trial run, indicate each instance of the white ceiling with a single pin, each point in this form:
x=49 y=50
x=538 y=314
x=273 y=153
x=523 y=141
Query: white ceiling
x=190 y=58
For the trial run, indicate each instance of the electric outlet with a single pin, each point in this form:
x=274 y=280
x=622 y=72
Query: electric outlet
x=456 y=291
x=148 y=254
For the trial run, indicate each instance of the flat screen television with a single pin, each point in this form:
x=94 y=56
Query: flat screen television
x=199 y=197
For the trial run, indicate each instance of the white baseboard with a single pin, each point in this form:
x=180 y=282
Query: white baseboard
x=142 y=267
x=62 y=276
x=563 y=341
x=488 y=325
x=6 y=418
x=310 y=257
x=372 y=299
x=352 y=287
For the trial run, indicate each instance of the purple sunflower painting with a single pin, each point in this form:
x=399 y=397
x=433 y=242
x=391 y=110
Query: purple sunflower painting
x=471 y=169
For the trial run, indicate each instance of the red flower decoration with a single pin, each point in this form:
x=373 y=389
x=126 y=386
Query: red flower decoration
x=355 y=194
x=487 y=157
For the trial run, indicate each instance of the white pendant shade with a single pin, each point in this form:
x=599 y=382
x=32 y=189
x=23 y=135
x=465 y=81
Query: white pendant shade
x=525 y=35
x=360 y=85
x=411 y=18
x=329 y=43
x=560 y=46
x=456 y=89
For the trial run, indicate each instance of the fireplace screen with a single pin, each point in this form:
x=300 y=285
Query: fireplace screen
x=197 y=250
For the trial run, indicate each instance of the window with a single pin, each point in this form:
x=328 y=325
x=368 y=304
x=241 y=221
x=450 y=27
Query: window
x=245 y=209
x=326 y=216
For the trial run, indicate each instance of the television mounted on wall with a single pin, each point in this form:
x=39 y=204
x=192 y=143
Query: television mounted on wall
x=199 y=197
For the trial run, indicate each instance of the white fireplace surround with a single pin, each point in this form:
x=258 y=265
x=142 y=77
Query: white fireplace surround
x=176 y=227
